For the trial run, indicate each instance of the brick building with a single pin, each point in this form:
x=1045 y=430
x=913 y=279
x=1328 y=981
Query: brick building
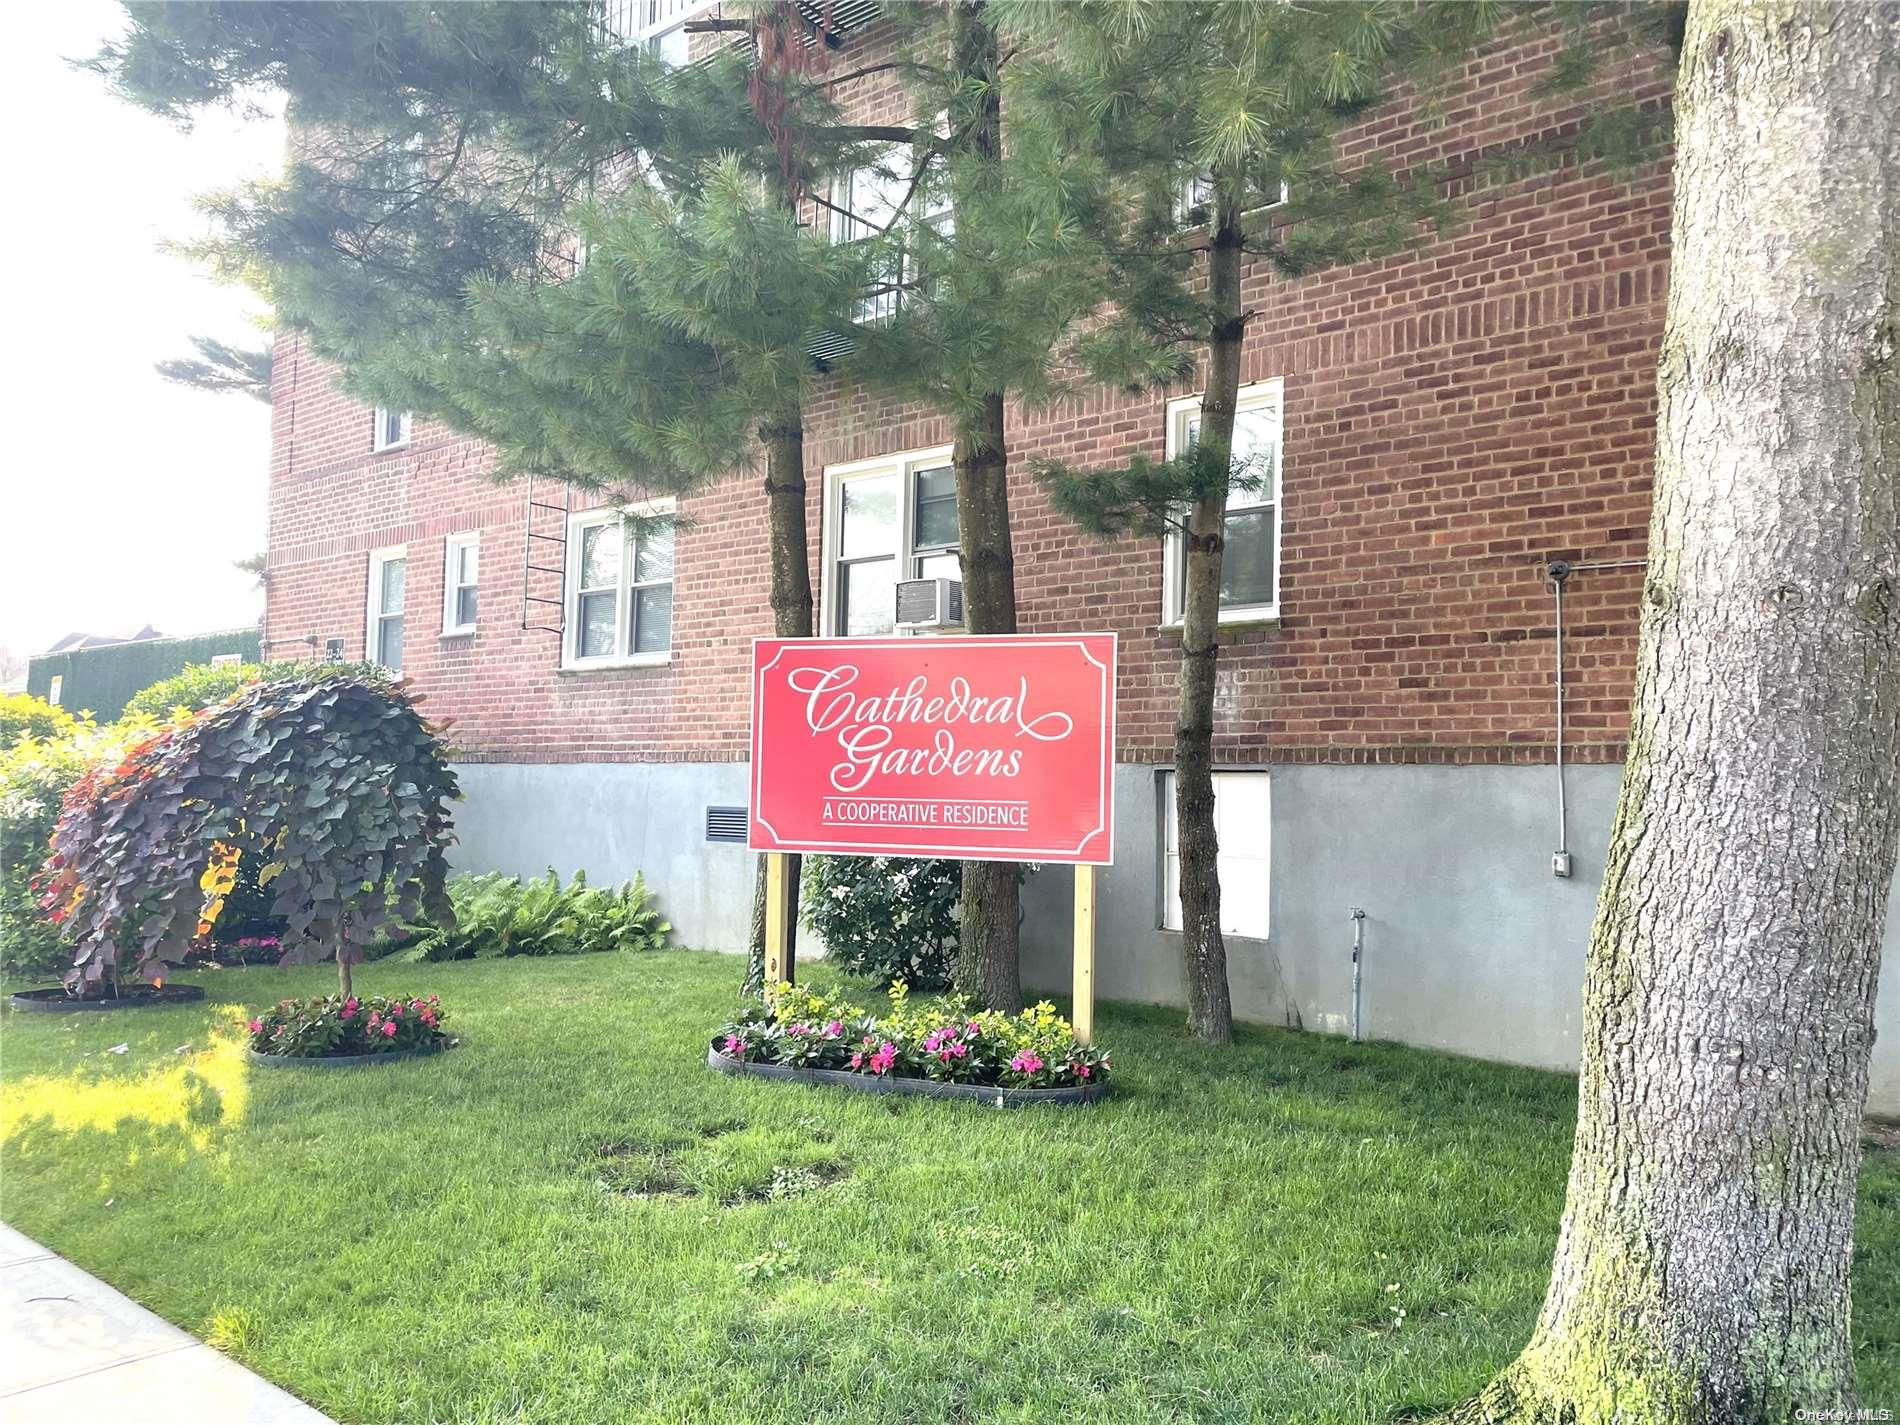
x=1447 y=422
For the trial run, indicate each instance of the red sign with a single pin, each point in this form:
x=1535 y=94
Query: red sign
x=992 y=748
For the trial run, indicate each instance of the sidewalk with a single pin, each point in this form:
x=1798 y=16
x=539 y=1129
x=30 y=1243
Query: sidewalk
x=75 y=1351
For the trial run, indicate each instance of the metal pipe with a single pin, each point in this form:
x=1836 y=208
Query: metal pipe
x=1558 y=571
x=1358 y=949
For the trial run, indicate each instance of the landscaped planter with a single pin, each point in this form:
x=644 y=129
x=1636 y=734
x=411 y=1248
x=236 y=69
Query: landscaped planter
x=885 y=1083
x=56 y=1000
x=343 y=1061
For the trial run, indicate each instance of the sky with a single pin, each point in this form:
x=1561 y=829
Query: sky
x=124 y=498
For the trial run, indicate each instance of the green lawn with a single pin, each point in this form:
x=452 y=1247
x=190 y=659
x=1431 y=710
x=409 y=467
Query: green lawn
x=570 y=1220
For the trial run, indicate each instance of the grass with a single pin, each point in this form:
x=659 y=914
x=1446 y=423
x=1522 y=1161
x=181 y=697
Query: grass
x=569 y=1219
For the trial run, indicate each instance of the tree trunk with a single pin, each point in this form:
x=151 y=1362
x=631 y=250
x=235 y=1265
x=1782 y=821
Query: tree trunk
x=784 y=440
x=988 y=967
x=1204 y=953
x=343 y=975
x=1701 y=1272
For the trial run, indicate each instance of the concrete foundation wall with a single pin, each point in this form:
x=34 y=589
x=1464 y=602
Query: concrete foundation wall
x=1471 y=945
x=612 y=819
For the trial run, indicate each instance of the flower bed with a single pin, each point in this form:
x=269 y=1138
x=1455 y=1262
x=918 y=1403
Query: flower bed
x=338 y=1027
x=940 y=1044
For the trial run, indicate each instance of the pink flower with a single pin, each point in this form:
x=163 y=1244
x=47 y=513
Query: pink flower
x=257 y=1026
x=733 y=1044
x=857 y=1061
x=882 y=1060
x=428 y=1019
x=350 y=1004
x=347 y=1015
x=798 y=1029
x=395 y=1010
x=389 y=1029
x=972 y=1029
x=834 y=1029
x=1082 y=1071
x=1026 y=1062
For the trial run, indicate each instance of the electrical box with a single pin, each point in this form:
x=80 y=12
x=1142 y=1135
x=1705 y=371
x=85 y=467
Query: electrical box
x=1560 y=864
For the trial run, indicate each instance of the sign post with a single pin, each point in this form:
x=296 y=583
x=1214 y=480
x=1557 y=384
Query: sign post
x=779 y=909
x=998 y=747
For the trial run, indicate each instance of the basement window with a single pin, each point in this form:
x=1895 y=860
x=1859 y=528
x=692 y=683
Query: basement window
x=1243 y=829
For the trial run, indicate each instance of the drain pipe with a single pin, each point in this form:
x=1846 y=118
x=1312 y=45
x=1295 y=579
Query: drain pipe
x=1559 y=571
x=1358 y=950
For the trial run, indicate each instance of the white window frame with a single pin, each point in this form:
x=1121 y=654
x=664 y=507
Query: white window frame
x=452 y=548
x=1246 y=876
x=905 y=466
x=577 y=524
x=1260 y=396
x=405 y=422
x=929 y=205
x=655 y=20
x=373 y=603
x=1196 y=194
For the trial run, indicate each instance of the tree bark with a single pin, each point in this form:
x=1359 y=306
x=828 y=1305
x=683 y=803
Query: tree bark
x=784 y=440
x=1701 y=1272
x=988 y=953
x=988 y=959
x=1203 y=951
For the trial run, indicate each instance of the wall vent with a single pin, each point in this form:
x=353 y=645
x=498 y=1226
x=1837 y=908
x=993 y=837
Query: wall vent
x=726 y=824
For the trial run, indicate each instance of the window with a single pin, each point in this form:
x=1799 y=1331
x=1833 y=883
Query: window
x=864 y=203
x=388 y=574
x=1250 y=565
x=888 y=519
x=620 y=582
x=462 y=553
x=391 y=431
x=1194 y=201
x=53 y=688
x=1242 y=825
x=657 y=26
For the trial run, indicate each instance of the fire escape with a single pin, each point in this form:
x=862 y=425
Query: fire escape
x=544 y=558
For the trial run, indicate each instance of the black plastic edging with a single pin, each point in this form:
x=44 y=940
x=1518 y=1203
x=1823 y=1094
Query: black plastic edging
x=57 y=1001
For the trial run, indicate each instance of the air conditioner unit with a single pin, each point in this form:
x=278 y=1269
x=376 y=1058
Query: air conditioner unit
x=929 y=603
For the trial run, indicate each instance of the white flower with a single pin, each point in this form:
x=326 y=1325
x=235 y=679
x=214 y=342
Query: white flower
x=841 y=893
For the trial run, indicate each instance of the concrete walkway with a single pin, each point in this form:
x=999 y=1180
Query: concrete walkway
x=73 y=1351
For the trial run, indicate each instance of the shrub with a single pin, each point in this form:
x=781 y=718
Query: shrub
x=887 y=918
x=22 y=715
x=203 y=685
x=337 y=788
x=339 y=1025
x=503 y=915
x=34 y=776
x=946 y=1041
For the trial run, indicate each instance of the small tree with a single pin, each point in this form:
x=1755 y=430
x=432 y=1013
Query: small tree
x=891 y=918
x=336 y=790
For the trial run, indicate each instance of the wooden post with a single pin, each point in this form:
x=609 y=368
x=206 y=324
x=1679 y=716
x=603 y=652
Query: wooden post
x=778 y=919
x=1082 y=1016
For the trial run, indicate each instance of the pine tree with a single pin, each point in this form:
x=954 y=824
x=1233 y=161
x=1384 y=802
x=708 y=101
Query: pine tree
x=456 y=164
x=220 y=366
x=1213 y=125
x=987 y=268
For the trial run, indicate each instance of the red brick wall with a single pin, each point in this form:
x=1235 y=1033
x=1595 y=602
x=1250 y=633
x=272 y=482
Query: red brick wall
x=1454 y=418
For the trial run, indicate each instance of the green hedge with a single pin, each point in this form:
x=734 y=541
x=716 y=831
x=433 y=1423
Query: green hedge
x=104 y=679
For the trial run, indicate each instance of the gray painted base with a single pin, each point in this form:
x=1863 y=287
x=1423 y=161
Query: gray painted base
x=1471 y=945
